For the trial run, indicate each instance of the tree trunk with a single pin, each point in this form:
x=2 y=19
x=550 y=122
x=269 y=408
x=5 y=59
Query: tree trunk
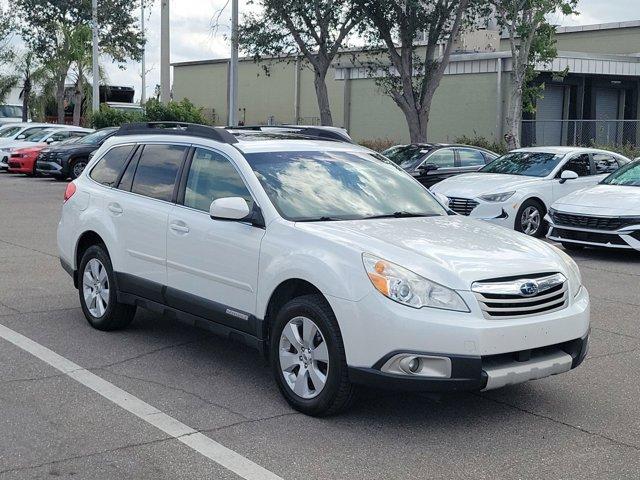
x=60 y=99
x=416 y=122
x=320 y=82
x=77 y=107
x=514 y=113
x=26 y=96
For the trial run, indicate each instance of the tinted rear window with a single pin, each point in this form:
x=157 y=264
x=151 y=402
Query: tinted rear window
x=110 y=165
x=157 y=171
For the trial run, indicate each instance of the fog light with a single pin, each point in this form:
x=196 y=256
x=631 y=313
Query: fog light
x=419 y=365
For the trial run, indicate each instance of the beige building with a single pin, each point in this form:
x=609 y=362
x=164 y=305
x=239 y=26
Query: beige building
x=590 y=103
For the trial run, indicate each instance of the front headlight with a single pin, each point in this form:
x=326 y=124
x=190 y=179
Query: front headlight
x=497 y=197
x=575 y=278
x=408 y=288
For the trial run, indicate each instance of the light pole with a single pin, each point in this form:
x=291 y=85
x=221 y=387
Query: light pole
x=233 y=67
x=143 y=89
x=165 y=45
x=96 y=53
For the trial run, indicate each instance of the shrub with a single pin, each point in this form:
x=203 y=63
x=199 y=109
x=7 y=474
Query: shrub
x=155 y=111
x=482 y=142
x=379 y=144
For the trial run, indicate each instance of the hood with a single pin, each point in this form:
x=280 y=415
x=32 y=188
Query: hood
x=473 y=185
x=451 y=250
x=73 y=147
x=18 y=144
x=607 y=200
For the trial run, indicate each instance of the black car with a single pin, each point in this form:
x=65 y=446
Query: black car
x=69 y=160
x=431 y=163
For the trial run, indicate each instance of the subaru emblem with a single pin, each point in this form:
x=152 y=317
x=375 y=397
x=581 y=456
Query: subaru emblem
x=529 y=288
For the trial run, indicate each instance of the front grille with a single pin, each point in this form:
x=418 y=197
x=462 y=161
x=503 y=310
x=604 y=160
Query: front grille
x=462 y=206
x=593 y=223
x=591 y=237
x=48 y=157
x=502 y=298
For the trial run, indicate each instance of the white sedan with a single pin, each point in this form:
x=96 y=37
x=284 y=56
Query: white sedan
x=517 y=189
x=607 y=215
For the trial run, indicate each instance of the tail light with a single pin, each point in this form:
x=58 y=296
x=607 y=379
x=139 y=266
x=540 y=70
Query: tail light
x=68 y=193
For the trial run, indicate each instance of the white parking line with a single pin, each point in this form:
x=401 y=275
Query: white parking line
x=202 y=444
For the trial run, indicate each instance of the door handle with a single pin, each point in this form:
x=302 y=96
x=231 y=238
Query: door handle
x=115 y=209
x=179 y=228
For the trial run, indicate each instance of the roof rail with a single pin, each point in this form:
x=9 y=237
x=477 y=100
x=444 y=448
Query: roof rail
x=177 y=128
x=325 y=133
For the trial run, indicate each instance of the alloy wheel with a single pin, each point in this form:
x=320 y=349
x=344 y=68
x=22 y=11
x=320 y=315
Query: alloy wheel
x=304 y=358
x=530 y=220
x=95 y=287
x=78 y=168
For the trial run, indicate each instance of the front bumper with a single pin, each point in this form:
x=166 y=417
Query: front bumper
x=49 y=168
x=4 y=162
x=627 y=238
x=482 y=373
x=376 y=327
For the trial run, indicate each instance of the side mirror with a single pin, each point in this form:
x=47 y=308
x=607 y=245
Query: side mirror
x=22 y=136
x=428 y=167
x=50 y=140
x=229 y=208
x=568 y=175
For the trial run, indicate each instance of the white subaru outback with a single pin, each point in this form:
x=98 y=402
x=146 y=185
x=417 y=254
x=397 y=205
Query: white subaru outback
x=339 y=266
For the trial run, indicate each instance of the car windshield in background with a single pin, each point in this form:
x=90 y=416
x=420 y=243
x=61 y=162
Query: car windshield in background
x=334 y=185
x=96 y=137
x=408 y=156
x=628 y=176
x=528 y=164
x=9 y=132
x=10 y=111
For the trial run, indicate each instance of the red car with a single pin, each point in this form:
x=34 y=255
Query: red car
x=23 y=160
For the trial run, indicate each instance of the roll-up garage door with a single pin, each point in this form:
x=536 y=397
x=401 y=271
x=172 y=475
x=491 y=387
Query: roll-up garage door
x=549 y=113
x=607 y=102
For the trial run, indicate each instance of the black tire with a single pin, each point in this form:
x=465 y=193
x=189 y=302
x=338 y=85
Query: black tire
x=574 y=247
x=338 y=392
x=60 y=179
x=78 y=163
x=541 y=231
x=116 y=315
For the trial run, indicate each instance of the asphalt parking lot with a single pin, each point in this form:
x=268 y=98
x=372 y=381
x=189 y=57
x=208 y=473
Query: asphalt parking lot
x=583 y=424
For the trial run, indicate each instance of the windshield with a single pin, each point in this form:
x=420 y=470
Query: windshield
x=9 y=132
x=629 y=176
x=407 y=156
x=96 y=137
x=335 y=185
x=528 y=164
x=10 y=111
x=39 y=136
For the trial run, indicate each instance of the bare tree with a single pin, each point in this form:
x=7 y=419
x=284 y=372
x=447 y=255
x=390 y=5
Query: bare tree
x=531 y=39
x=313 y=29
x=413 y=71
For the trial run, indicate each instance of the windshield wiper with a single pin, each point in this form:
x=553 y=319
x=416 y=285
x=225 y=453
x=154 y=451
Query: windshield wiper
x=320 y=219
x=400 y=215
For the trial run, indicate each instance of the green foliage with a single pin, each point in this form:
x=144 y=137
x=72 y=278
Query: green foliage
x=183 y=111
x=482 y=142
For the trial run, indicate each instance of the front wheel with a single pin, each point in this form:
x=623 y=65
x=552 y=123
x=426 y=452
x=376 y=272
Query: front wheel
x=98 y=293
x=308 y=359
x=530 y=219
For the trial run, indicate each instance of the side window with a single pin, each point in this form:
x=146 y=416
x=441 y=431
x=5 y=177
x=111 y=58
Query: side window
x=157 y=171
x=59 y=136
x=212 y=176
x=580 y=164
x=443 y=158
x=110 y=165
x=470 y=157
x=127 y=177
x=604 y=163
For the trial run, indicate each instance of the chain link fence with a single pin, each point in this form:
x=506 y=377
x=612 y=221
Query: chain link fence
x=580 y=132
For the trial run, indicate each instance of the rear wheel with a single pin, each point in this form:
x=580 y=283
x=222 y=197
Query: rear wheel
x=77 y=166
x=98 y=293
x=308 y=359
x=530 y=219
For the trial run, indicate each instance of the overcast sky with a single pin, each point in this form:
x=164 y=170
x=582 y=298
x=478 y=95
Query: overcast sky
x=192 y=37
